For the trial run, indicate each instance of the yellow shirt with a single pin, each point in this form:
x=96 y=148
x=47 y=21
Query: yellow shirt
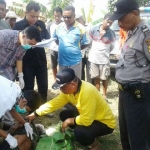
x=88 y=101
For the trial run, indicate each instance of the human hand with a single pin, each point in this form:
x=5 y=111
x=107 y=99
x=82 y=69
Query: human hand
x=29 y=130
x=66 y=123
x=31 y=117
x=21 y=81
x=11 y=141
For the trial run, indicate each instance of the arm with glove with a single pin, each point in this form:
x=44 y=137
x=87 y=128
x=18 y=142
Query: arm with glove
x=27 y=126
x=10 y=139
x=20 y=73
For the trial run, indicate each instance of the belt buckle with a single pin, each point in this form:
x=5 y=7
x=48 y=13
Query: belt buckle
x=120 y=86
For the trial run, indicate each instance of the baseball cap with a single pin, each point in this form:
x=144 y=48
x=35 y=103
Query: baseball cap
x=62 y=77
x=11 y=14
x=123 y=7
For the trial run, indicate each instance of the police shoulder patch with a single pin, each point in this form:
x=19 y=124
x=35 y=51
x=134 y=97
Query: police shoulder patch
x=148 y=44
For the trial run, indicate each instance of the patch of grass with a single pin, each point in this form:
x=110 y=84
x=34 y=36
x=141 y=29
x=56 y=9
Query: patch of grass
x=112 y=141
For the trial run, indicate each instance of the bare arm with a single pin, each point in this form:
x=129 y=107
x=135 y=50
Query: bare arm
x=3 y=133
x=17 y=116
x=19 y=66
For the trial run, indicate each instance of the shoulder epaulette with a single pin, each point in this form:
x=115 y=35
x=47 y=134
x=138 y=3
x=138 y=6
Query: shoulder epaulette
x=145 y=30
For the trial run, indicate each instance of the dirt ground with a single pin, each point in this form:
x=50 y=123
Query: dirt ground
x=51 y=123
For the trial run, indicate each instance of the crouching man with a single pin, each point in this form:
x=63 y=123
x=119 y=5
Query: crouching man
x=91 y=117
x=20 y=139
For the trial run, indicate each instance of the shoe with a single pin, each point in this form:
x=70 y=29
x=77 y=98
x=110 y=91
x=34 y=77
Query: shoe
x=95 y=145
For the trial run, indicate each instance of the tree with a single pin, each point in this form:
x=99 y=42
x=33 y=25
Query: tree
x=46 y=10
x=111 y=4
x=61 y=3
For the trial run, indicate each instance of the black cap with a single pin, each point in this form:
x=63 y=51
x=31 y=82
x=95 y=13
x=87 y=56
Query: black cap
x=62 y=77
x=123 y=7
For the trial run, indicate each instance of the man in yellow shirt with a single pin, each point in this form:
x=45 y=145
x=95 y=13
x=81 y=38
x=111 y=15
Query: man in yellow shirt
x=92 y=116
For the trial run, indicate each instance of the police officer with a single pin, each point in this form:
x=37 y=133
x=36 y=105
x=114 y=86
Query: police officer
x=133 y=76
x=34 y=62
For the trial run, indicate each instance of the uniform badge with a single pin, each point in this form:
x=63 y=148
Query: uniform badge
x=148 y=44
x=131 y=43
x=39 y=28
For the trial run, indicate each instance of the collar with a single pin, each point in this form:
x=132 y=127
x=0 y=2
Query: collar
x=141 y=24
x=74 y=25
x=79 y=86
x=26 y=23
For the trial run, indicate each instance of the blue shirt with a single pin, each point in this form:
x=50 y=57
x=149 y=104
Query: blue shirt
x=70 y=42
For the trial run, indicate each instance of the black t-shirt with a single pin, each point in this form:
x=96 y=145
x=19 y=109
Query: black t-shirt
x=36 y=56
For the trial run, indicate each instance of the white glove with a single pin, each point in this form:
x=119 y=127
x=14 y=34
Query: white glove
x=29 y=130
x=11 y=141
x=21 y=81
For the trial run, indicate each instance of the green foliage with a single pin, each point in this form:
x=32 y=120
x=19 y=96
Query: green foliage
x=111 y=3
x=60 y=3
x=83 y=13
x=97 y=21
x=57 y=141
x=46 y=11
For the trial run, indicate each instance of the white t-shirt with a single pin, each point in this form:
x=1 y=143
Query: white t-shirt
x=9 y=91
x=101 y=47
x=53 y=46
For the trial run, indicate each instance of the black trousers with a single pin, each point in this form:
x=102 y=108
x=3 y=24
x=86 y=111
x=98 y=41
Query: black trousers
x=40 y=72
x=85 y=135
x=134 y=120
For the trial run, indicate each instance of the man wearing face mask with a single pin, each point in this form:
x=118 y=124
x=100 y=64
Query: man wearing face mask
x=13 y=45
x=34 y=61
x=10 y=93
x=103 y=39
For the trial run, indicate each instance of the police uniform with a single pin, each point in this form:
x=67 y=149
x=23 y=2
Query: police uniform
x=133 y=77
x=34 y=61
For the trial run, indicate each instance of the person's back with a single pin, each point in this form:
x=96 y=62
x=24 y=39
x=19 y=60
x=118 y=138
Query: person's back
x=9 y=53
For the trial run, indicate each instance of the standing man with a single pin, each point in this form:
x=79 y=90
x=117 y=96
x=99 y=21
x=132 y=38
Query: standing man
x=34 y=61
x=57 y=12
x=3 y=23
x=72 y=38
x=133 y=76
x=103 y=39
x=11 y=18
x=85 y=52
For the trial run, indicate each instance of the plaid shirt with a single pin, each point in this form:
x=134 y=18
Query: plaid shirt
x=9 y=53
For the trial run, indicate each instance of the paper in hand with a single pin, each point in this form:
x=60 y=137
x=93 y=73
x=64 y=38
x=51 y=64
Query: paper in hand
x=45 y=43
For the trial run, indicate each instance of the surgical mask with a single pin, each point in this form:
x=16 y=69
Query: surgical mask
x=19 y=110
x=26 y=47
